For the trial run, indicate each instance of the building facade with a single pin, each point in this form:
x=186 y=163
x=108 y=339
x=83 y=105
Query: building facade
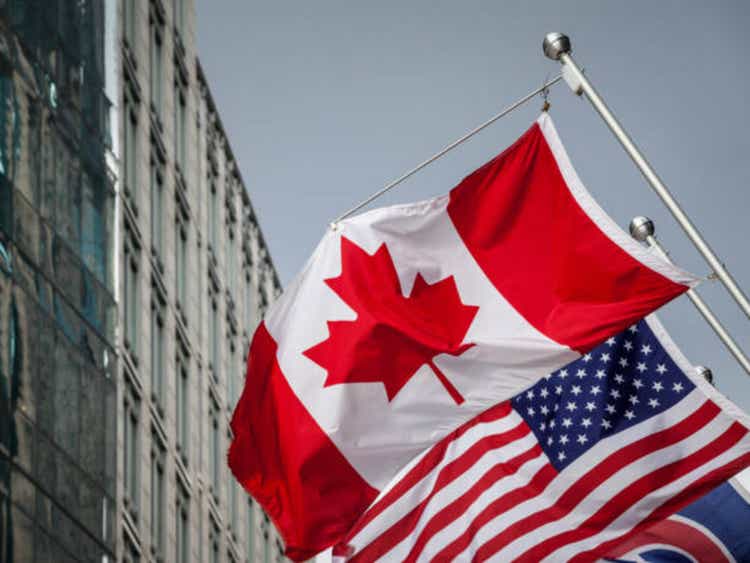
x=58 y=376
x=132 y=274
x=194 y=278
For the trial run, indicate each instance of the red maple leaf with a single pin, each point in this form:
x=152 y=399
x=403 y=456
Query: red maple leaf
x=392 y=336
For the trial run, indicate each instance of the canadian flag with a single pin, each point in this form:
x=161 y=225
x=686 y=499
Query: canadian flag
x=410 y=320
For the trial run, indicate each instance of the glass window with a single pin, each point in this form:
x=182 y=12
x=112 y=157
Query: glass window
x=157 y=355
x=250 y=539
x=182 y=413
x=131 y=413
x=131 y=306
x=210 y=335
x=157 y=501
x=128 y=16
x=156 y=68
x=213 y=217
x=96 y=225
x=232 y=262
x=214 y=340
x=180 y=264
x=180 y=122
x=232 y=377
x=233 y=512
x=249 y=303
x=213 y=541
x=130 y=148
x=182 y=537
x=214 y=447
x=262 y=298
x=266 y=544
x=130 y=551
x=179 y=14
x=157 y=209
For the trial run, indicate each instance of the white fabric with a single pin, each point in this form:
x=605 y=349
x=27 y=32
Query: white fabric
x=587 y=505
x=509 y=354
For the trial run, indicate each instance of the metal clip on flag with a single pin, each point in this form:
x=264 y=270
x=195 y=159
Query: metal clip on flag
x=642 y=229
x=557 y=47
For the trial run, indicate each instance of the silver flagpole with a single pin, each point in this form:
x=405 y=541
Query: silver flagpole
x=557 y=47
x=642 y=229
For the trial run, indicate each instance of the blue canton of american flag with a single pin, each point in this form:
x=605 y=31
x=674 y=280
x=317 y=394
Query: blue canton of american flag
x=620 y=383
x=570 y=469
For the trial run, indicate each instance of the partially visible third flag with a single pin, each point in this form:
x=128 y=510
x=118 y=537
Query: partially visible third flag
x=714 y=528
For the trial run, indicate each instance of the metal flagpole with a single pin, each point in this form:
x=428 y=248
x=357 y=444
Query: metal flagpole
x=642 y=229
x=557 y=47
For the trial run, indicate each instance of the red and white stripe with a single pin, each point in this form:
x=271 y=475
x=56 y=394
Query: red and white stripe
x=488 y=492
x=524 y=241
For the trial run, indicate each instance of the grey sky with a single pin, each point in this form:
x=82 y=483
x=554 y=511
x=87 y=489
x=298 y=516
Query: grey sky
x=324 y=102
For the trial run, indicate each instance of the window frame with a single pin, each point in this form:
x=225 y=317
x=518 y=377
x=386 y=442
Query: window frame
x=232 y=387
x=156 y=184
x=250 y=530
x=130 y=29
x=131 y=293
x=131 y=146
x=213 y=215
x=214 y=343
x=214 y=541
x=181 y=256
x=180 y=124
x=215 y=450
x=182 y=523
x=131 y=451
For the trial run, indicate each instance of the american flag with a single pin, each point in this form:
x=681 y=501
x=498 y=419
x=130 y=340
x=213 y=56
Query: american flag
x=567 y=469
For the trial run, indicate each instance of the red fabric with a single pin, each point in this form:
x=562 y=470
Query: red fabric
x=406 y=525
x=528 y=234
x=697 y=489
x=427 y=463
x=680 y=535
x=599 y=474
x=580 y=488
x=287 y=462
x=542 y=252
x=430 y=321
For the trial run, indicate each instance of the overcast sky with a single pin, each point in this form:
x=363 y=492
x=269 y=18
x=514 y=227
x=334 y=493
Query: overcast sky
x=324 y=102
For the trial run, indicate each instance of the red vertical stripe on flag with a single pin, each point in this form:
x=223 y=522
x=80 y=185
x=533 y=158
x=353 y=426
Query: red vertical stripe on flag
x=545 y=255
x=288 y=463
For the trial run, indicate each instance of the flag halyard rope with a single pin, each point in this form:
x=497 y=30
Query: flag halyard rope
x=541 y=90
